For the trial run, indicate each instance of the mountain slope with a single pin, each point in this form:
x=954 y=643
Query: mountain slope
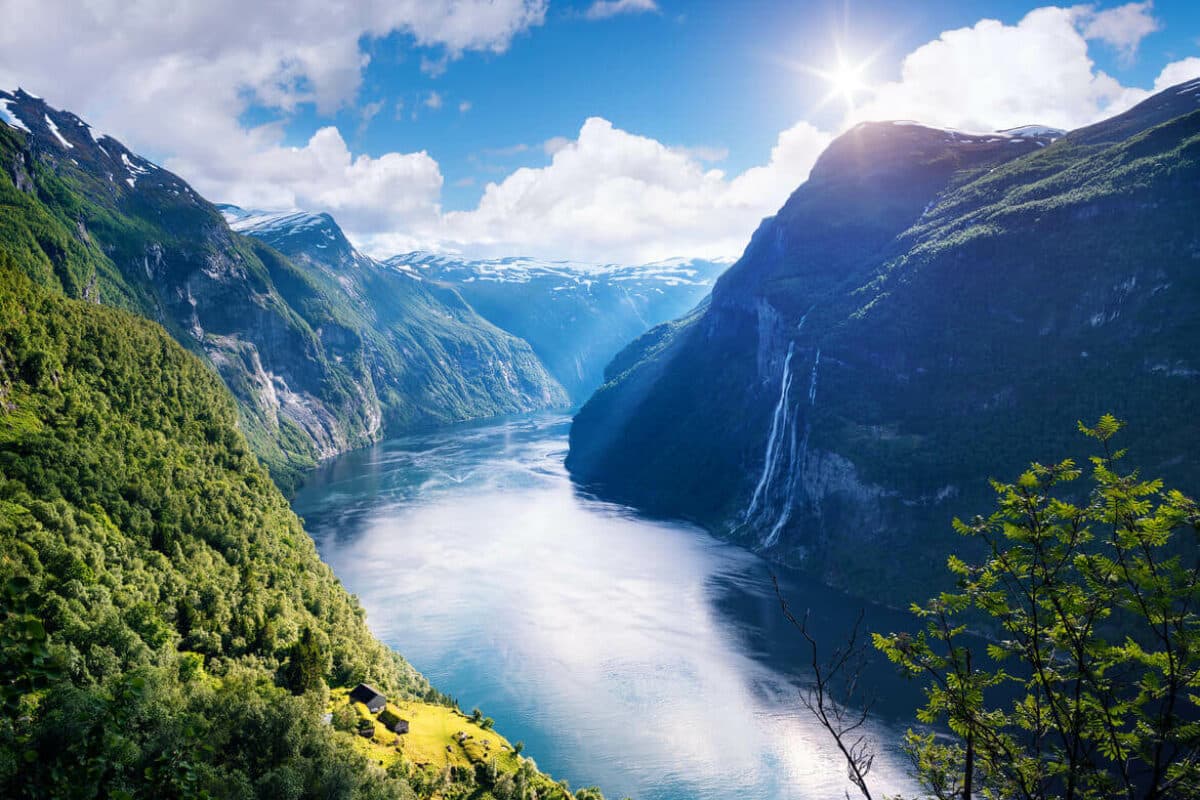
x=575 y=316
x=167 y=627
x=168 y=574
x=85 y=215
x=433 y=359
x=926 y=308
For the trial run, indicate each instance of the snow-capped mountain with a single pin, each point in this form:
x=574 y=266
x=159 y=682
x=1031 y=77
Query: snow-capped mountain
x=323 y=349
x=301 y=234
x=66 y=137
x=576 y=315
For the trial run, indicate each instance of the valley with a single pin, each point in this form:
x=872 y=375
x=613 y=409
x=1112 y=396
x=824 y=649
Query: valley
x=642 y=656
x=394 y=417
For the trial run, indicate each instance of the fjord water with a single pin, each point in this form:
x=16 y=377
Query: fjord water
x=641 y=656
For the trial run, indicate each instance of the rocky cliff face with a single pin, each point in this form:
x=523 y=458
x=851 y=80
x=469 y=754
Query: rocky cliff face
x=86 y=215
x=432 y=358
x=929 y=309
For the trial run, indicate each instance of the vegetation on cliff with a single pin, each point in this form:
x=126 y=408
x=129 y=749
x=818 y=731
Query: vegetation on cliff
x=168 y=628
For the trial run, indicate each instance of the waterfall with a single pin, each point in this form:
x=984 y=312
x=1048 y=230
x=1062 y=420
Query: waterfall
x=768 y=473
x=794 y=464
x=812 y=381
x=780 y=463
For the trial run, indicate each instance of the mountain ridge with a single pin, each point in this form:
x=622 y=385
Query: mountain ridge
x=895 y=322
x=85 y=215
x=576 y=316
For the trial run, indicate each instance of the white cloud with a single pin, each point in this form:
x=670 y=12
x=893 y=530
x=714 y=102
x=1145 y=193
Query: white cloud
x=172 y=79
x=464 y=106
x=1123 y=27
x=707 y=153
x=993 y=75
x=610 y=195
x=1177 y=72
x=603 y=9
x=367 y=113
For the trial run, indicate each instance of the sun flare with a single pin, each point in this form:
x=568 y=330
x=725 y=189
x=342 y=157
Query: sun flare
x=846 y=80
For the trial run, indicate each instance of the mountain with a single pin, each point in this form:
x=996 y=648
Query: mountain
x=434 y=359
x=576 y=316
x=312 y=375
x=168 y=629
x=927 y=309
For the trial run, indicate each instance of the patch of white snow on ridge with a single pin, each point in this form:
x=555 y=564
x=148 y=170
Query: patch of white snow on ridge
x=95 y=134
x=9 y=116
x=1190 y=86
x=1015 y=134
x=278 y=221
x=1034 y=132
x=521 y=269
x=135 y=170
x=57 y=134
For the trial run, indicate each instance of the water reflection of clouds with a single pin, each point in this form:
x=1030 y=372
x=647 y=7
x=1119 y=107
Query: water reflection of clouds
x=624 y=651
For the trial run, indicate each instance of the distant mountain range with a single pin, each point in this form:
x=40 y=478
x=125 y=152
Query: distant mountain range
x=323 y=351
x=576 y=316
x=929 y=309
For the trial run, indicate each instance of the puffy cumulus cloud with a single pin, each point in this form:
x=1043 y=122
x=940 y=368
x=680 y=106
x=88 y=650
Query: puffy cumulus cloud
x=173 y=79
x=1178 y=72
x=992 y=75
x=364 y=193
x=1123 y=27
x=611 y=195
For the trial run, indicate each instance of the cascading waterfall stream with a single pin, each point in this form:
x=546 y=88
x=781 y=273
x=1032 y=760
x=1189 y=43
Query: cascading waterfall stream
x=777 y=420
x=780 y=462
x=795 y=459
x=812 y=381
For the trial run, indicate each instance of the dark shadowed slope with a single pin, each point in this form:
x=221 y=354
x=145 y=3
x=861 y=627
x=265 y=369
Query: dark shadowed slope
x=929 y=309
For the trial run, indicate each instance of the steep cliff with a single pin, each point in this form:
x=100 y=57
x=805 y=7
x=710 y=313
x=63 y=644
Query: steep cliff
x=926 y=310
x=432 y=359
x=85 y=215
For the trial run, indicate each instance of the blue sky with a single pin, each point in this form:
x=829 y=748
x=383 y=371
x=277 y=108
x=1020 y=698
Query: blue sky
x=548 y=127
x=701 y=73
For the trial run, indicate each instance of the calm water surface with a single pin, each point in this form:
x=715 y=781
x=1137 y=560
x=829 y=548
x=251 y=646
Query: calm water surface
x=643 y=657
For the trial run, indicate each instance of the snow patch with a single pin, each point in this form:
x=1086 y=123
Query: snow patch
x=9 y=116
x=56 y=133
x=135 y=170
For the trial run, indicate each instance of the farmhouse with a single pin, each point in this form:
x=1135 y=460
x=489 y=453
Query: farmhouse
x=369 y=696
x=392 y=721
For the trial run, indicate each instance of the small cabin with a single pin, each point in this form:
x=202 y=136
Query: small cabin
x=369 y=696
x=393 y=722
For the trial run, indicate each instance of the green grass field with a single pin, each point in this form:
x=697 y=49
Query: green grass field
x=438 y=737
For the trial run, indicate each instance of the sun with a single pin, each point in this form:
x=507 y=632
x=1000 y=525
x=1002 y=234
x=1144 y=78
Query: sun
x=846 y=80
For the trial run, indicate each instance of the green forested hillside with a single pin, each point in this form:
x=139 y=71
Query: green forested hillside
x=168 y=629
x=81 y=213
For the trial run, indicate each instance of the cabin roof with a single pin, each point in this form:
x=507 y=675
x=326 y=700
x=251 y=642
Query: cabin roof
x=367 y=694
